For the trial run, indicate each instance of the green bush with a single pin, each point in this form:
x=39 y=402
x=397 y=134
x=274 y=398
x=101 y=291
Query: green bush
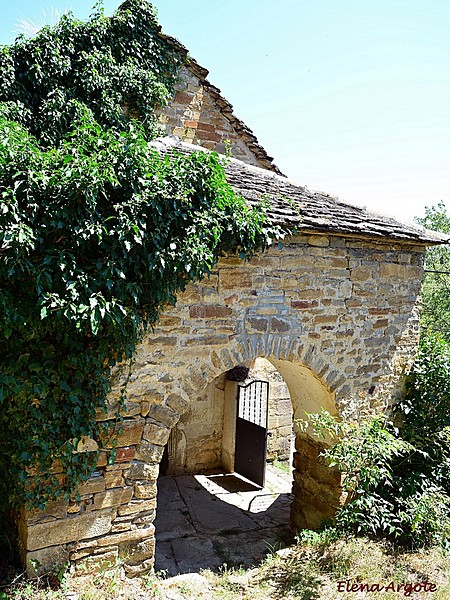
x=397 y=477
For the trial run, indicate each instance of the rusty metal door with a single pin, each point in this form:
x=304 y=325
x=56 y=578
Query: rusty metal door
x=251 y=431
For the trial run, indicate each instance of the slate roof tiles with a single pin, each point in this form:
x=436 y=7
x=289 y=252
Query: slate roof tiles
x=293 y=205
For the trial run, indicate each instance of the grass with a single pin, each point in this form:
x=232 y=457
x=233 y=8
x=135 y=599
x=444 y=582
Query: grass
x=315 y=568
x=284 y=466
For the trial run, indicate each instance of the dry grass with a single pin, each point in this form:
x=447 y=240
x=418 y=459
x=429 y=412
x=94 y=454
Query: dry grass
x=306 y=571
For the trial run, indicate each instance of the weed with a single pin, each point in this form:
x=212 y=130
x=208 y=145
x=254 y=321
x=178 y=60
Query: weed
x=282 y=466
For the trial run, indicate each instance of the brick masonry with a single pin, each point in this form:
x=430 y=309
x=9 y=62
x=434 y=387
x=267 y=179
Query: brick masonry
x=338 y=319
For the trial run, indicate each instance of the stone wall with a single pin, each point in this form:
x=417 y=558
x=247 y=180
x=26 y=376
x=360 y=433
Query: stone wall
x=197 y=439
x=199 y=115
x=279 y=441
x=336 y=317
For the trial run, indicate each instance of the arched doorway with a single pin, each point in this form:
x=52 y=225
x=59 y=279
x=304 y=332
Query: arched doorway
x=210 y=510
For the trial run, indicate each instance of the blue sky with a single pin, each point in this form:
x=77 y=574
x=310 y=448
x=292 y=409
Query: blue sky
x=351 y=97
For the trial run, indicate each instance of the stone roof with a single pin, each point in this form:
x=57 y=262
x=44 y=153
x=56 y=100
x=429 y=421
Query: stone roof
x=295 y=206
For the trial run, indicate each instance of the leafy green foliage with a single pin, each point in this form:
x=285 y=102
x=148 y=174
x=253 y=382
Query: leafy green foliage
x=436 y=287
x=98 y=232
x=113 y=67
x=395 y=488
x=365 y=454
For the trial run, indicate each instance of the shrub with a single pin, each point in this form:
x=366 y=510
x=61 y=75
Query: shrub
x=397 y=477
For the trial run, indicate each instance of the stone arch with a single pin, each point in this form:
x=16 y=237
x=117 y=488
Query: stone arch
x=316 y=488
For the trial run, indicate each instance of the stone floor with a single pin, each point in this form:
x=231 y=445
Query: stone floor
x=206 y=521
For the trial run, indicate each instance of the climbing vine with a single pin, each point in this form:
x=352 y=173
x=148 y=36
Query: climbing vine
x=98 y=232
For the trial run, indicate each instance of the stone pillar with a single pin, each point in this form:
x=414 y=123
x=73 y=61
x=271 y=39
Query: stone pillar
x=111 y=516
x=317 y=488
x=229 y=426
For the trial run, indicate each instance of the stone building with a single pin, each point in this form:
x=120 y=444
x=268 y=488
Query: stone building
x=334 y=309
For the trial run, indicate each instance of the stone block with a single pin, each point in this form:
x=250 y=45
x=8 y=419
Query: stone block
x=139 y=569
x=230 y=279
x=207 y=340
x=144 y=520
x=177 y=403
x=114 y=479
x=340 y=263
x=380 y=324
x=102 y=460
x=43 y=561
x=318 y=240
x=145 y=490
x=92 y=486
x=266 y=261
x=62 y=531
x=121 y=527
x=308 y=447
x=361 y=274
x=309 y=294
x=325 y=319
x=87 y=444
x=284 y=404
x=126 y=433
x=183 y=98
x=209 y=311
x=206 y=127
x=54 y=510
x=304 y=304
x=135 y=552
x=111 y=498
x=126 y=536
x=129 y=409
x=170 y=322
x=377 y=311
x=141 y=471
x=156 y=434
x=257 y=324
x=125 y=454
x=93 y=563
x=206 y=136
x=149 y=453
x=137 y=507
x=279 y=325
x=163 y=414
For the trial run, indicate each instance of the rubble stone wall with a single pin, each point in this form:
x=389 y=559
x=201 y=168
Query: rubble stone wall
x=195 y=116
x=336 y=317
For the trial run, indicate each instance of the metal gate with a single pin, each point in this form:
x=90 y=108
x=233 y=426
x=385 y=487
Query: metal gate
x=251 y=431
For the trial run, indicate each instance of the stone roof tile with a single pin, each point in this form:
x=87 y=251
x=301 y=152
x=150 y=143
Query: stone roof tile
x=293 y=205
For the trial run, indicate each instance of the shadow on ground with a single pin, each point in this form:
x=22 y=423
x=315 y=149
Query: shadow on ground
x=208 y=521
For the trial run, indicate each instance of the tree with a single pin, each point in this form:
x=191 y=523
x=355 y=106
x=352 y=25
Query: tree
x=436 y=286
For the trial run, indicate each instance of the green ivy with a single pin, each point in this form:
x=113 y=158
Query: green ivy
x=98 y=233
